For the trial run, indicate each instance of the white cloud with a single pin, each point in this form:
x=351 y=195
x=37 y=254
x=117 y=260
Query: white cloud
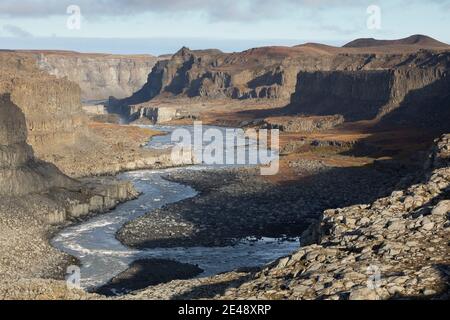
x=237 y=10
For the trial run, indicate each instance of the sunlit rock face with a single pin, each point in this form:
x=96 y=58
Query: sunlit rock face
x=20 y=172
x=99 y=75
x=51 y=106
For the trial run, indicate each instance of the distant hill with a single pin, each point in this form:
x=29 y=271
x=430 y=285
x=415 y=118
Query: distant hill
x=419 y=41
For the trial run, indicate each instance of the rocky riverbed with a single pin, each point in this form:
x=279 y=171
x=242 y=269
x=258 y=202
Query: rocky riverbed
x=397 y=242
x=30 y=268
x=238 y=203
x=144 y=273
x=395 y=247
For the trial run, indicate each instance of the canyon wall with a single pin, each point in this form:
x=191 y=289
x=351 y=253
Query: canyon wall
x=360 y=83
x=354 y=94
x=20 y=172
x=418 y=87
x=213 y=74
x=51 y=106
x=99 y=75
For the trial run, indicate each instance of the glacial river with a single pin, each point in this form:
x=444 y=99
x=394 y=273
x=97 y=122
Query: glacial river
x=103 y=257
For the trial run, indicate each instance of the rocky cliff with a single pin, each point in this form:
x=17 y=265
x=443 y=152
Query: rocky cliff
x=41 y=119
x=257 y=73
x=99 y=75
x=416 y=87
x=393 y=248
x=51 y=106
x=362 y=80
x=20 y=172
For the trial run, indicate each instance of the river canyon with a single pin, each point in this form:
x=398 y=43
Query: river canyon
x=88 y=179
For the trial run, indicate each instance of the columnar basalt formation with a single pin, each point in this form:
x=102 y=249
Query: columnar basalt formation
x=20 y=172
x=354 y=94
x=51 y=106
x=356 y=81
x=99 y=75
x=40 y=119
x=58 y=128
x=154 y=114
x=418 y=84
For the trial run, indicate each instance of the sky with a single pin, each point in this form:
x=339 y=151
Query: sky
x=163 y=26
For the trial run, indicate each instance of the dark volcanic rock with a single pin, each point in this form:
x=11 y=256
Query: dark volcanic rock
x=20 y=172
x=145 y=273
x=358 y=82
x=415 y=90
x=235 y=204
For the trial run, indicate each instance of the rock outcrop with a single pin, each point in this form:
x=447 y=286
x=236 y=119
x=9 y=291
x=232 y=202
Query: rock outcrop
x=57 y=127
x=258 y=73
x=302 y=124
x=20 y=172
x=51 y=106
x=361 y=81
x=394 y=248
x=40 y=115
x=416 y=88
x=154 y=114
x=99 y=75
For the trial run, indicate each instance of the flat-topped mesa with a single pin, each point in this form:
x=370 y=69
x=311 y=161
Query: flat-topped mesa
x=20 y=172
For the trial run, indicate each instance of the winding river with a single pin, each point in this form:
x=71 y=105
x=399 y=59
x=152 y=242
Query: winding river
x=103 y=257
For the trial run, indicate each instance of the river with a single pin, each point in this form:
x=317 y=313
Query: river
x=103 y=257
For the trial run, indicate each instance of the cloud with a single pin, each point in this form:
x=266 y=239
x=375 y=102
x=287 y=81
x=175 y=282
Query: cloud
x=338 y=29
x=16 y=31
x=227 y=10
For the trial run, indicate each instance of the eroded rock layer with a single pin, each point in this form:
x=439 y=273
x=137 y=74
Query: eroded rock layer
x=419 y=84
x=99 y=75
x=356 y=81
x=51 y=106
x=20 y=172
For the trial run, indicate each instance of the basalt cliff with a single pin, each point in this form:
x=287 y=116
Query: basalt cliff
x=58 y=129
x=50 y=107
x=20 y=172
x=364 y=80
x=99 y=75
x=41 y=120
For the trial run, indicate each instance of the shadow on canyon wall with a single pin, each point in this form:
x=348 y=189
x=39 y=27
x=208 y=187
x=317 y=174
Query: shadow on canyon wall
x=21 y=172
x=426 y=108
x=423 y=111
